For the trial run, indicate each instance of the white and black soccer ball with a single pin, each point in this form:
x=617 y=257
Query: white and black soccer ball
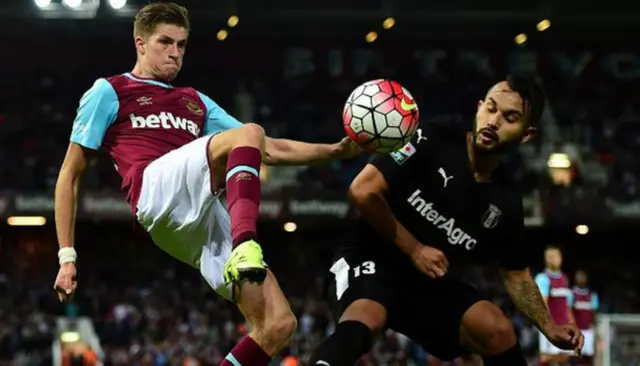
x=381 y=116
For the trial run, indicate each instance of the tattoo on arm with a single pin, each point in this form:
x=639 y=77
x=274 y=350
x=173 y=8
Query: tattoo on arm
x=527 y=298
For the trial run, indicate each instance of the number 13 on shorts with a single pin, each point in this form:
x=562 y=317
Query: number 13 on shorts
x=341 y=269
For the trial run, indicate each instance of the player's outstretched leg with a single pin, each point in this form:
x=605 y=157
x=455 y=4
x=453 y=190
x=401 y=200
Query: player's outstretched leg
x=240 y=151
x=353 y=336
x=485 y=330
x=268 y=311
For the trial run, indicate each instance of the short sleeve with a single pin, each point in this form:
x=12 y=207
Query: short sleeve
x=217 y=118
x=396 y=164
x=544 y=284
x=570 y=299
x=595 y=302
x=97 y=111
x=513 y=250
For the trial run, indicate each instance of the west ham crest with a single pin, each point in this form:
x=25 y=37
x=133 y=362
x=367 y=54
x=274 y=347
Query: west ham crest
x=193 y=106
x=491 y=217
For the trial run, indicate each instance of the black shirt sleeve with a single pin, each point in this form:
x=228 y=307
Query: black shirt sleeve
x=513 y=251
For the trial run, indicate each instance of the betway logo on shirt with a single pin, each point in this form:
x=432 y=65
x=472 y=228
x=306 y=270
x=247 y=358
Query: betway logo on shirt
x=583 y=305
x=455 y=235
x=560 y=292
x=164 y=120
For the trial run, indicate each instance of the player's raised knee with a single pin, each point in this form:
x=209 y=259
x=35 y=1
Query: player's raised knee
x=501 y=334
x=223 y=143
x=253 y=132
x=488 y=329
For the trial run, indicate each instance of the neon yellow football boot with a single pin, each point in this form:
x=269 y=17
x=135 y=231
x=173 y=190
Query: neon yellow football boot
x=245 y=264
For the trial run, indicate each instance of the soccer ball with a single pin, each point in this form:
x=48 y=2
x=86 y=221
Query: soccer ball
x=380 y=116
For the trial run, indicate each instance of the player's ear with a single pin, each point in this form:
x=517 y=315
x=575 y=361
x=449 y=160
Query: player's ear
x=140 y=42
x=480 y=102
x=529 y=134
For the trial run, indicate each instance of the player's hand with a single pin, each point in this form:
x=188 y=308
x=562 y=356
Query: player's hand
x=66 y=282
x=430 y=261
x=567 y=337
x=346 y=149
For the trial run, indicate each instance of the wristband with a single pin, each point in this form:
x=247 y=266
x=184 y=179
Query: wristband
x=66 y=255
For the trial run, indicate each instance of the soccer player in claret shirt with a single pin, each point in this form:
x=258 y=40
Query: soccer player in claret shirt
x=585 y=309
x=554 y=287
x=448 y=197
x=175 y=150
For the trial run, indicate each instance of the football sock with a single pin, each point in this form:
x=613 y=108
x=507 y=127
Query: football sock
x=511 y=357
x=246 y=353
x=243 y=192
x=350 y=341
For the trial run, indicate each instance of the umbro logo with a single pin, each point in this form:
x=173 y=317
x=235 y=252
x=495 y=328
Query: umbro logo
x=144 y=100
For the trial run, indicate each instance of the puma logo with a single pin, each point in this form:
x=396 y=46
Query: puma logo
x=420 y=137
x=323 y=363
x=444 y=176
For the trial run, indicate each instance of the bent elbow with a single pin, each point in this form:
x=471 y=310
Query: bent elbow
x=367 y=185
x=360 y=193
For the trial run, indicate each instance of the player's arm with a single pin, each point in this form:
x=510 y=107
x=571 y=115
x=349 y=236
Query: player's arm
x=292 y=152
x=97 y=110
x=595 y=308
x=570 y=300
x=367 y=194
x=514 y=255
x=279 y=151
x=369 y=188
x=526 y=295
x=544 y=285
x=66 y=193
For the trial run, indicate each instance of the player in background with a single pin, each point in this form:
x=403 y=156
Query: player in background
x=555 y=290
x=585 y=308
x=449 y=197
x=176 y=150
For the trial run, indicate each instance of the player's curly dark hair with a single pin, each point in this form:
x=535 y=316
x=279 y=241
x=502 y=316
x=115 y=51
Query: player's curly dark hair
x=151 y=15
x=532 y=92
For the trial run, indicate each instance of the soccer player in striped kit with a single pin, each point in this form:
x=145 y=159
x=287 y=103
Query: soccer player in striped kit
x=554 y=287
x=177 y=151
x=585 y=308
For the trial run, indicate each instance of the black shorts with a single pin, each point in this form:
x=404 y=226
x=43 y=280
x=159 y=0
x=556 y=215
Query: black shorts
x=428 y=311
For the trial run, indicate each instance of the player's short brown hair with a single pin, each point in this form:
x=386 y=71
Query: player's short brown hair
x=151 y=15
x=553 y=247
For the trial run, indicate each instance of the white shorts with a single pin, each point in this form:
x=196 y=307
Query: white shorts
x=183 y=216
x=589 y=342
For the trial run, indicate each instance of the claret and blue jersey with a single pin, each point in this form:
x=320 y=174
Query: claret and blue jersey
x=138 y=120
x=554 y=285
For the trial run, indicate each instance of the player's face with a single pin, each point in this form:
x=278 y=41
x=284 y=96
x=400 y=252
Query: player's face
x=162 y=52
x=553 y=259
x=500 y=124
x=581 y=278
